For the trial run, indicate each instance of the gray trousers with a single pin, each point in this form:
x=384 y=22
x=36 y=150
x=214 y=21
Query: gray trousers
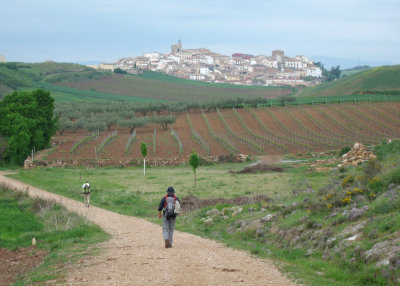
x=168 y=228
x=86 y=199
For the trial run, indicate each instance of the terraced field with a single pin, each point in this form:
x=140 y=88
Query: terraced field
x=272 y=130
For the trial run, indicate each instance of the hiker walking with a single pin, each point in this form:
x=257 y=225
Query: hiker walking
x=86 y=193
x=170 y=205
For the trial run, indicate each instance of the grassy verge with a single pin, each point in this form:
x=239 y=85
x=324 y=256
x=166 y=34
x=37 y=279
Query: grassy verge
x=66 y=236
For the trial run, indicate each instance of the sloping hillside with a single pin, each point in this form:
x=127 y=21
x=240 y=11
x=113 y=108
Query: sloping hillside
x=71 y=82
x=15 y=76
x=377 y=79
x=130 y=85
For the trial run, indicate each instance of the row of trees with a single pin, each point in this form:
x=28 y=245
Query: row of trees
x=102 y=115
x=101 y=122
x=26 y=122
x=77 y=109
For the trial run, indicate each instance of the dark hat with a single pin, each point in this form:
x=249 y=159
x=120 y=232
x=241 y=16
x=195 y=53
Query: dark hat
x=170 y=190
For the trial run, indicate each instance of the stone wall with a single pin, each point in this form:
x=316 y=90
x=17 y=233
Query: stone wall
x=174 y=161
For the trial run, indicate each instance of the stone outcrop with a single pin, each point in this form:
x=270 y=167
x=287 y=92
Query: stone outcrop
x=356 y=155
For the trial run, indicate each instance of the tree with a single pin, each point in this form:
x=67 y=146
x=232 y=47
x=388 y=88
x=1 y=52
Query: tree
x=120 y=71
x=64 y=124
x=27 y=121
x=194 y=161
x=133 y=122
x=164 y=121
x=111 y=119
x=335 y=71
x=3 y=147
x=143 y=150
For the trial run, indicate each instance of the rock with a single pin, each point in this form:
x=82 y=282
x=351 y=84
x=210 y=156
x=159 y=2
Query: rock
x=351 y=230
x=310 y=190
x=260 y=232
x=252 y=209
x=309 y=252
x=352 y=238
x=355 y=213
x=282 y=233
x=209 y=221
x=333 y=214
x=373 y=233
x=317 y=225
x=267 y=218
x=393 y=187
x=330 y=241
x=383 y=252
x=213 y=212
x=395 y=262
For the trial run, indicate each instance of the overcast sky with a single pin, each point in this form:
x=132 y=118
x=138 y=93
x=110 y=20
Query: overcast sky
x=106 y=30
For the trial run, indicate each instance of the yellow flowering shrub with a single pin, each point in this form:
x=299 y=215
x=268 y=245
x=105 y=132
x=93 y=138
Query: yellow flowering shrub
x=346 y=200
x=347 y=181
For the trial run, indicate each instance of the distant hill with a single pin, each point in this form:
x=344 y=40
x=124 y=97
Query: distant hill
x=15 y=76
x=382 y=78
x=353 y=70
x=347 y=63
x=71 y=82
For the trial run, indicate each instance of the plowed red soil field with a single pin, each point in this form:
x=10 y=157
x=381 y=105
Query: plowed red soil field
x=276 y=130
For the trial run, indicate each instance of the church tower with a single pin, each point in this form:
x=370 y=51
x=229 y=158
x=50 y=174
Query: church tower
x=176 y=48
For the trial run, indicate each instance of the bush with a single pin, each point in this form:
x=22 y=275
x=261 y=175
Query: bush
x=120 y=71
x=372 y=168
x=384 y=205
x=347 y=181
x=385 y=150
x=393 y=177
x=376 y=185
x=344 y=151
x=285 y=98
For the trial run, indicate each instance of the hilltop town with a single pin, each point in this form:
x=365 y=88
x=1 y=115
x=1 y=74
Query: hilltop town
x=245 y=69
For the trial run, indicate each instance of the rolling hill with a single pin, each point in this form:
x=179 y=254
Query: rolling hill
x=382 y=78
x=72 y=82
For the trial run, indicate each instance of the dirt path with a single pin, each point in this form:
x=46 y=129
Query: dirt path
x=135 y=255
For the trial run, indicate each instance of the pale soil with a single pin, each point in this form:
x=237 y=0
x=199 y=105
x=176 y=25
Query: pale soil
x=135 y=255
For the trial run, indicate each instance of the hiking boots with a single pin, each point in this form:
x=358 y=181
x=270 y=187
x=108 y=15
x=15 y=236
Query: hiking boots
x=166 y=243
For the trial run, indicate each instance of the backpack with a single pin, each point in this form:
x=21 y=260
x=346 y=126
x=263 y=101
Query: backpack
x=171 y=207
x=86 y=189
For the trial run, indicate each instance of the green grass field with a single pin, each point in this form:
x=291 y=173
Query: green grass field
x=67 y=94
x=163 y=87
x=124 y=190
x=380 y=79
x=168 y=78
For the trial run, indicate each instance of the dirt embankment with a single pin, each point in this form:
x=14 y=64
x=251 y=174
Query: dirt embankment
x=15 y=263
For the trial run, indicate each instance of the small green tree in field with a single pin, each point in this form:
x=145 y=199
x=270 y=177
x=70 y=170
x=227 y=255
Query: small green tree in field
x=194 y=161
x=143 y=149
